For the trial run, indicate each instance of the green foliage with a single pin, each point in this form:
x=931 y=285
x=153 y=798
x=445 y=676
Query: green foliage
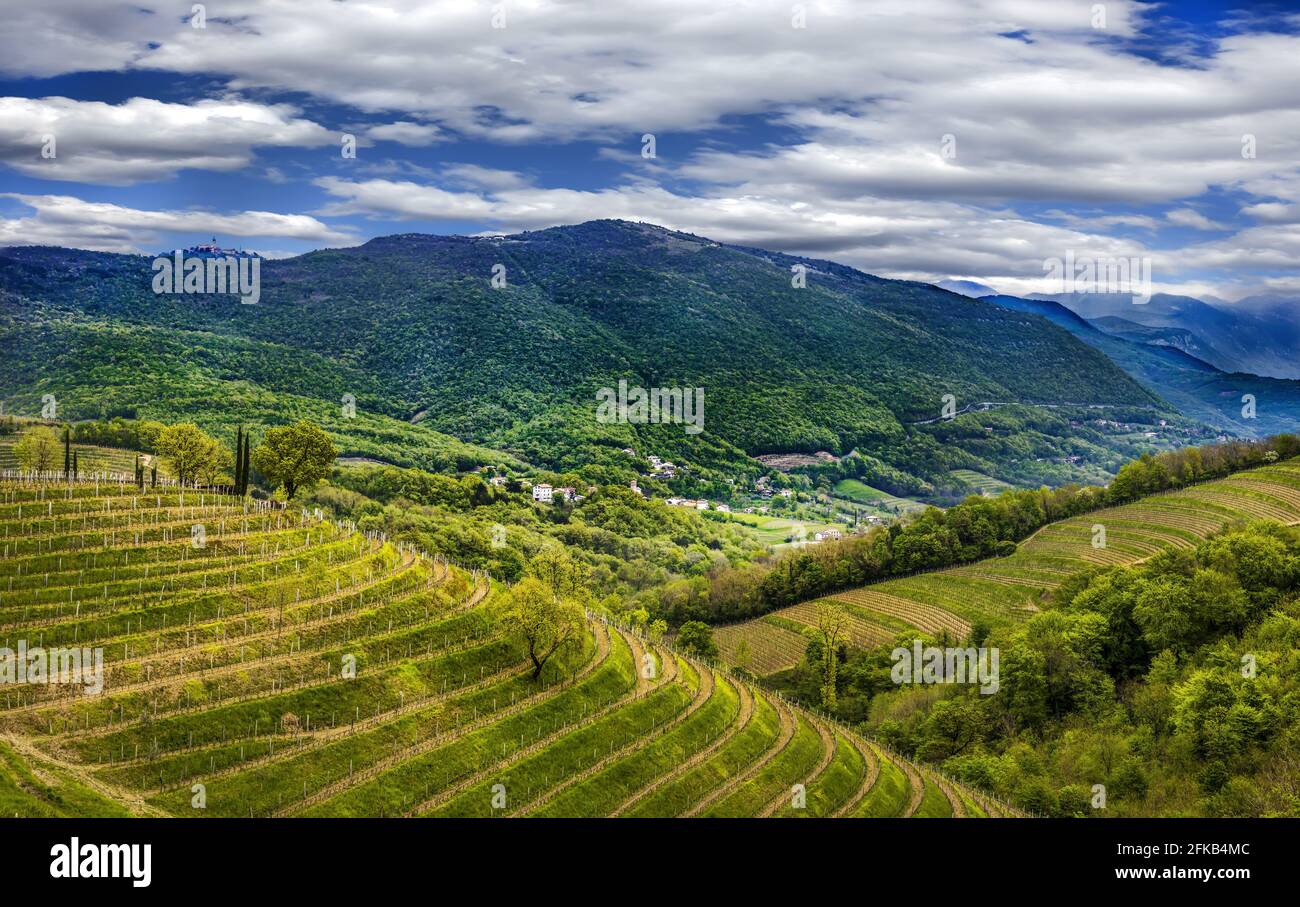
x=410 y=327
x=697 y=639
x=1173 y=684
x=296 y=457
x=977 y=528
x=37 y=449
x=191 y=454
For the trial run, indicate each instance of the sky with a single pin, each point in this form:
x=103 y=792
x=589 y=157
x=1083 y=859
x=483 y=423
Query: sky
x=922 y=139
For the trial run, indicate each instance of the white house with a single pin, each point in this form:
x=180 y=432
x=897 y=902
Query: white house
x=723 y=508
x=542 y=493
x=568 y=493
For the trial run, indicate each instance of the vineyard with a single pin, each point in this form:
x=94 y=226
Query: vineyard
x=1009 y=588
x=262 y=661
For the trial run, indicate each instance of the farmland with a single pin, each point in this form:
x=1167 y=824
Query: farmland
x=1008 y=589
x=882 y=501
x=260 y=660
x=980 y=482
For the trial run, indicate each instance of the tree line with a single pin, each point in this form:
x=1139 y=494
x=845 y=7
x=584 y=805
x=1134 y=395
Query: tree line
x=977 y=528
x=287 y=460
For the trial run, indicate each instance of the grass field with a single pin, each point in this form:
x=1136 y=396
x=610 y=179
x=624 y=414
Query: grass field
x=1010 y=588
x=861 y=493
x=288 y=666
x=774 y=531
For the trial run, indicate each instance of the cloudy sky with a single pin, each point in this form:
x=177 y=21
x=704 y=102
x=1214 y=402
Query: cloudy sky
x=929 y=139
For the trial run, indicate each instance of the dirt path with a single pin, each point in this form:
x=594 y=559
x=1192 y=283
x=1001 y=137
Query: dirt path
x=958 y=807
x=916 y=787
x=132 y=800
x=868 y=777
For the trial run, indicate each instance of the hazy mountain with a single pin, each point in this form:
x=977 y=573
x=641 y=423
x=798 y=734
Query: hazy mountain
x=967 y=288
x=1196 y=388
x=1260 y=339
x=1178 y=338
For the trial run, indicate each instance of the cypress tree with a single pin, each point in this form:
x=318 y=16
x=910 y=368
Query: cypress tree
x=239 y=460
x=248 y=461
x=74 y=464
x=154 y=476
x=67 y=451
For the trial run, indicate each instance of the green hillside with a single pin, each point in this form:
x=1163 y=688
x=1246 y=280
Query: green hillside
x=1009 y=589
x=411 y=326
x=227 y=692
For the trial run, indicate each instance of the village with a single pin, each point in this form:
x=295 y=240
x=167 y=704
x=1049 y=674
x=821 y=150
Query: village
x=782 y=524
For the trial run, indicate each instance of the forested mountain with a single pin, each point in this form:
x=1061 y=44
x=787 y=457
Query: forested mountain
x=412 y=326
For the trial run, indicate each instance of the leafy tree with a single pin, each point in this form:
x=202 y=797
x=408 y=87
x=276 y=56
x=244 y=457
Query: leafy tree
x=696 y=637
x=544 y=619
x=295 y=457
x=37 y=448
x=743 y=656
x=831 y=632
x=190 y=452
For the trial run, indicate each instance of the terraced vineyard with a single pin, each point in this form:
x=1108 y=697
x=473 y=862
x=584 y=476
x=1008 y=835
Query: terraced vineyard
x=274 y=664
x=980 y=482
x=91 y=459
x=1010 y=588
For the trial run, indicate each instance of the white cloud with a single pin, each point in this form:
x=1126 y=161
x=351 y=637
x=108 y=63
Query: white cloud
x=143 y=139
x=61 y=220
x=1056 y=116
x=416 y=135
x=1189 y=217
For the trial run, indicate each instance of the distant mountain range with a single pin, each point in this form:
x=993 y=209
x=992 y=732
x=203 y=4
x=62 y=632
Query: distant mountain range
x=1258 y=335
x=1165 y=361
x=455 y=347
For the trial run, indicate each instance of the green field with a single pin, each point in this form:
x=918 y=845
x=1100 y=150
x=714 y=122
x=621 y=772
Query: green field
x=999 y=590
x=982 y=483
x=861 y=493
x=775 y=531
x=226 y=690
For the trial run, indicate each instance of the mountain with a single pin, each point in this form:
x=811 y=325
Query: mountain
x=413 y=327
x=1259 y=339
x=1196 y=388
x=1178 y=338
x=967 y=288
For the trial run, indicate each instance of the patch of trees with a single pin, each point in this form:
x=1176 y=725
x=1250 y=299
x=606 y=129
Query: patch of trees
x=977 y=528
x=1171 y=684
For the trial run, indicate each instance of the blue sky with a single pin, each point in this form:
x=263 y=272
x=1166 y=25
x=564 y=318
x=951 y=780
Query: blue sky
x=928 y=139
